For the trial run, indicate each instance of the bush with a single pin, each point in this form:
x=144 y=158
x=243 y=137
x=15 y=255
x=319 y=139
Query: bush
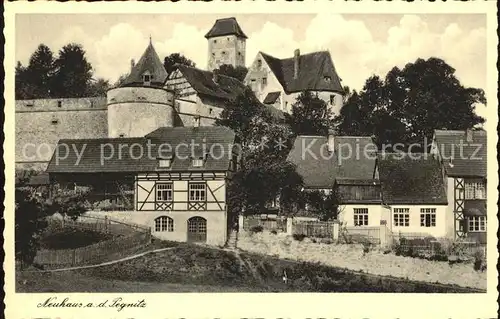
x=256 y=229
x=479 y=261
x=299 y=237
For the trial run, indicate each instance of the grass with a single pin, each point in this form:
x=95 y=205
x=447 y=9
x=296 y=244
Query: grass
x=195 y=268
x=70 y=238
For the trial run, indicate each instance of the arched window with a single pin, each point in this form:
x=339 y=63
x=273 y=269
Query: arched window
x=164 y=224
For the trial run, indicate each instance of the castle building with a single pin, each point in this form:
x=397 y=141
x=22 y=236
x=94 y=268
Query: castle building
x=278 y=82
x=226 y=44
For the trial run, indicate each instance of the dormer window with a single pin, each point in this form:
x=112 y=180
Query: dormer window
x=327 y=78
x=146 y=78
x=197 y=162
x=164 y=163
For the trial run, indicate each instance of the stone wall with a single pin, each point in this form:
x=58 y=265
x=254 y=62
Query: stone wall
x=227 y=49
x=40 y=124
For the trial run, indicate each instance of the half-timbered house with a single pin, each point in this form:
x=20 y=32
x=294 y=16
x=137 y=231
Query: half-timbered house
x=177 y=176
x=463 y=157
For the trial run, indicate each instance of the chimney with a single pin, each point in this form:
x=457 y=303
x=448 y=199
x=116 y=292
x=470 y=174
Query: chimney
x=468 y=134
x=215 y=76
x=296 y=57
x=331 y=141
x=132 y=64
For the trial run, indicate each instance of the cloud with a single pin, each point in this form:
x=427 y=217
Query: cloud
x=356 y=52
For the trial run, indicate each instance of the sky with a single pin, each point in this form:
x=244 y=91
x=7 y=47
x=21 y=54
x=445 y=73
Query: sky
x=360 y=45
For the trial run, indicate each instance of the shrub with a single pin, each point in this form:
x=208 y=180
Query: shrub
x=256 y=229
x=479 y=261
x=299 y=237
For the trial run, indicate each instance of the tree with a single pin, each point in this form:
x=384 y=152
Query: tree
x=265 y=144
x=73 y=73
x=120 y=80
x=99 y=87
x=34 y=81
x=176 y=58
x=325 y=205
x=238 y=72
x=310 y=116
x=32 y=212
x=410 y=103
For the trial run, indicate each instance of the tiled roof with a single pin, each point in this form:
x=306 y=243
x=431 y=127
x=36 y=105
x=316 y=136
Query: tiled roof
x=149 y=61
x=473 y=161
x=313 y=68
x=39 y=180
x=319 y=169
x=411 y=180
x=203 y=83
x=271 y=97
x=226 y=26
x=475 y=207
x=97 y=155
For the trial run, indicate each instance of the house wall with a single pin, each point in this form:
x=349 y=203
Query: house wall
x=228 y=49
x=36 y=135
x=254 y=80
x=450 y=214
x=375 y=214
x=440 y=230
x=214 y=212
x=137 y=111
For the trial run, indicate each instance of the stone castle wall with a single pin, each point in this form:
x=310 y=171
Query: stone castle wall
x=40 y=124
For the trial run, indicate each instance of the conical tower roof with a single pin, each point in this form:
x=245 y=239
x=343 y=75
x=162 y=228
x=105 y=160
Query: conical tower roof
x=148 y=63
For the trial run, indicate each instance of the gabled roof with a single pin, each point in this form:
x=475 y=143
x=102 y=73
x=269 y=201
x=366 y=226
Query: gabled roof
x=203 y=83
x=416 y=179
x=149 y=62
x=225 y=26
x=473 y=161
x=320 y=169
x=271 y=97
x=97 y=154
x=313 y=68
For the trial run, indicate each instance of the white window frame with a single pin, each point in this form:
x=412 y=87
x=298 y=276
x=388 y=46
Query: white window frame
x=401 y=217
x=164 y=192
x=197 y=162
x=424 y=212
x=476 y=224
x=164 y=224
x=197 y=192
x=475 y=190
x=360 y=216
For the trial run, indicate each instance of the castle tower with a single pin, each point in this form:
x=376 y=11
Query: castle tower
x=141 y=104
x=226 y=44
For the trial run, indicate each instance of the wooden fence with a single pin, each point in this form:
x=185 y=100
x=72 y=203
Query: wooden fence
x=274 y=223
x=92 y=254
x=130 y=236
x=316 y=229
x=356 y=235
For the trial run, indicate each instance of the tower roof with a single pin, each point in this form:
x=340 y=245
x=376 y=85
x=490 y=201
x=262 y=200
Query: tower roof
x=225 y=26
x=149 y=62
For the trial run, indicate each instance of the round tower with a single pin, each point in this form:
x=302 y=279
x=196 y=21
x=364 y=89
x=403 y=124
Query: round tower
x=141 y=104
x=226 y=44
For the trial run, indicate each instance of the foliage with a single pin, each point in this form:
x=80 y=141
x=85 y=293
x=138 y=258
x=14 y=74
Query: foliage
x=409 y=104
x=73 y=73
x=121 y=80
x=256 y=229
x=36 y=80
x=176 y=58
x=324 y=205
x=265 y=144
x=479 y=261
x=68 y=75
x=299 y=237
x=310 y=116
x=32 y=211
x=238 y=72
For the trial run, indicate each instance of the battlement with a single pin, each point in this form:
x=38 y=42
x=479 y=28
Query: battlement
x=140 y=95
x=61 y=105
